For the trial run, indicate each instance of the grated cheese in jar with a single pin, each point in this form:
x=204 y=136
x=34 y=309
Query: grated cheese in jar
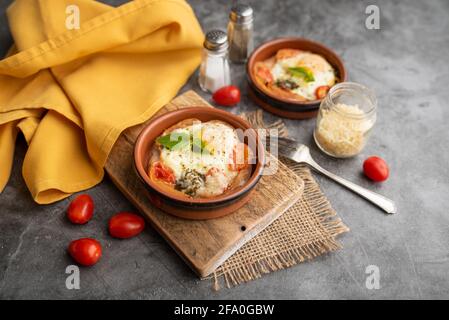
x=342 y=130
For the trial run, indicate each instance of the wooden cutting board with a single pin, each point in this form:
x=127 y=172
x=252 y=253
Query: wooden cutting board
x=204 y=244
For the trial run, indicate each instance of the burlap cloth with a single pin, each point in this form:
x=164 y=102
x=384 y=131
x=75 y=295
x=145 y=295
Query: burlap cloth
x=308 y=229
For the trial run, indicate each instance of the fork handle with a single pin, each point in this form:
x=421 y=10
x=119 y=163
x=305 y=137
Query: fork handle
x=386 y=204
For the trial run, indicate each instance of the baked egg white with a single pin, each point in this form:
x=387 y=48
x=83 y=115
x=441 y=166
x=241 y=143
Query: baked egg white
x=322 y=72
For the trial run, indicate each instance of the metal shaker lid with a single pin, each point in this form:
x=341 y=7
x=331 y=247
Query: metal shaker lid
x=241 y=13
x=216 y=40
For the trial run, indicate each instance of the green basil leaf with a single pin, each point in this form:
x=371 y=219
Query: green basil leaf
x=174 y=141
x=302 y=72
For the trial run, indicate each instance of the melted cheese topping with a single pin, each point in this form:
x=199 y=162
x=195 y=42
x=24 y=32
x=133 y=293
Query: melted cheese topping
x=211 y=165
x=323 y=73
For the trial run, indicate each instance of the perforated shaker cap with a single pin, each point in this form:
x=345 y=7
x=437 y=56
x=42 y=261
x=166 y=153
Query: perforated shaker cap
x=216 y=40
x=241 y=13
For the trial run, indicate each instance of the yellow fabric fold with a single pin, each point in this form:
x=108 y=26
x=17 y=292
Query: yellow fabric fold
x=72 y=92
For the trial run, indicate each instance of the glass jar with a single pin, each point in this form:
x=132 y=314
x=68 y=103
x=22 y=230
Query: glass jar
x=345 y=119
x=240 y=33
x=214 y=70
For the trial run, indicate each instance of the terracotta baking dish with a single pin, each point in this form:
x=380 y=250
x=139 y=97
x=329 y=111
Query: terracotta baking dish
x=286 y=107
x=184 y=206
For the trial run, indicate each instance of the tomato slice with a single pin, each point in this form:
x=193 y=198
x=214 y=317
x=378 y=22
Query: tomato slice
x=163 y=173
x=239 y=161
x=212 y=171
x=321 y=91
x=264 y=74
x=286 y=53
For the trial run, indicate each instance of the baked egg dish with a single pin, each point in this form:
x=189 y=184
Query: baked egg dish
x=296 y=74
x=200 y=159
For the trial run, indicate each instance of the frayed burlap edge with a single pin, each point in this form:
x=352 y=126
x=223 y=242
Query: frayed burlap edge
x=314 y=203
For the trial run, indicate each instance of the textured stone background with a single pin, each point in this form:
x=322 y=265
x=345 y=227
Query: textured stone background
x=405 y=63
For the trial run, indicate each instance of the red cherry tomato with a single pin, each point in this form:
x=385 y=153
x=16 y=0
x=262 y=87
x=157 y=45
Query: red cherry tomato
x=227 y=96
x=125 y=225
x=81 y=209
x=321 y=92
x=85 y=251
x=376 y=169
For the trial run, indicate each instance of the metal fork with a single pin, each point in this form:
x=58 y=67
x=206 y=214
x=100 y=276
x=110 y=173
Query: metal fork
x=300 y=153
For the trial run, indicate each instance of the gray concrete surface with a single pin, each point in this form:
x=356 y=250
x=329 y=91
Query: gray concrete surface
x=405 y=62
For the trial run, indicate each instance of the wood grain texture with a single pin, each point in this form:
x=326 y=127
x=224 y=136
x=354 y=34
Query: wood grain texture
x=204 y=244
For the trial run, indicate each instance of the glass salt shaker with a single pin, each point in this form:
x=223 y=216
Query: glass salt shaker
x=240 y=33
x=214 y=70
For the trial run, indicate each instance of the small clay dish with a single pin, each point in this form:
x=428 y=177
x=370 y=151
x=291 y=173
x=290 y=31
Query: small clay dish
x=287 y=107
x=184 y=206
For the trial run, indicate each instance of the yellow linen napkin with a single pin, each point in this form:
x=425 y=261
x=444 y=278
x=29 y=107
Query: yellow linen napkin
x=72 y=92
